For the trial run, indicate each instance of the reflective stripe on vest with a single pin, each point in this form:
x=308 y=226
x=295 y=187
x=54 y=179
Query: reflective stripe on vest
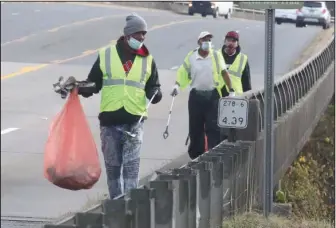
x=241 y=65
x=122 y=89
x=109 y=81
x=215 y=54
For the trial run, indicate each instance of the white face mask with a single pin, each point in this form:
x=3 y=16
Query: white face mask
x=134 y=44
x=206 y=45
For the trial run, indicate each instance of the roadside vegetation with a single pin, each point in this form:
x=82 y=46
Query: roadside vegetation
x=256 y=220
x=308 y=185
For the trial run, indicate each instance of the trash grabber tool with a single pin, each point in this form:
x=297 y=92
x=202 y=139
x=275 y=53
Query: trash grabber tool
x=65 y=87
x=166 y=133
x=142 y=116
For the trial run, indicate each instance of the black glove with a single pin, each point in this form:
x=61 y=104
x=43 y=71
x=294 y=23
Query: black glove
x=86 y=89
x=86 y=95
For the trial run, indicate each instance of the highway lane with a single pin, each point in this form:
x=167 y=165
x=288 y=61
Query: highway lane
x=39 y=17
x=28 y=102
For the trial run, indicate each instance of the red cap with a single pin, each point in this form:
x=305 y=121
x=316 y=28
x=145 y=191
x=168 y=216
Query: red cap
x=233 y=35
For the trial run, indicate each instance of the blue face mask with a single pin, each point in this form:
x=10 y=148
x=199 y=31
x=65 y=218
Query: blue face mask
x=134 y=44
x=206 y=45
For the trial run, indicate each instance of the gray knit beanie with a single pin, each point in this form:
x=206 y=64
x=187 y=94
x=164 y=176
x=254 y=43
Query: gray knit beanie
x=134 y=24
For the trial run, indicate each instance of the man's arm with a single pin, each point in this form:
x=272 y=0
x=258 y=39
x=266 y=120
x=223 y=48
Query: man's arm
x=153 y=84
x=246 y=78
x=224 y=72
x=96 y=76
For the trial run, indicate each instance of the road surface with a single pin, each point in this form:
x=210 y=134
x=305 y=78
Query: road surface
x=40 y=42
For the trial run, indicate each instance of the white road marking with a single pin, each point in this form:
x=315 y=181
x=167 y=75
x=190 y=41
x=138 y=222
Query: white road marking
x=174 y=68
x=8 y=130
x=14 y=14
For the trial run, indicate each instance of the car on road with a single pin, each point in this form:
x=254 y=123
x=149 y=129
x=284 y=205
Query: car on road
x=313 y=13
x=285 y=16
x=211 y=8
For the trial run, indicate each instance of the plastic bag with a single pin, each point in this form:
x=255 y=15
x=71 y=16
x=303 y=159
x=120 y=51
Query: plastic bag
x=71 y=158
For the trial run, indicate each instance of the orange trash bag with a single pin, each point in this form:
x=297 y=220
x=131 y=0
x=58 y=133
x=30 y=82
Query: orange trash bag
x=71 y=158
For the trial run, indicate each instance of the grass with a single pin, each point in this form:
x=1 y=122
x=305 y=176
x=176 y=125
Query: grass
x=254 y=220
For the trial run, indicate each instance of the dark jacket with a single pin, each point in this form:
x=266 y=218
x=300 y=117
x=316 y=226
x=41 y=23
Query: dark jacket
x=121 y=116
x=246 y=77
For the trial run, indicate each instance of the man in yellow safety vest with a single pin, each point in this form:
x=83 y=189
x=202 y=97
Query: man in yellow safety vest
x=126 y=75
x=237 y=66
x=205 y=72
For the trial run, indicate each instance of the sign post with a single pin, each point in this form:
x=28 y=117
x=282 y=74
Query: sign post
x=269 y=8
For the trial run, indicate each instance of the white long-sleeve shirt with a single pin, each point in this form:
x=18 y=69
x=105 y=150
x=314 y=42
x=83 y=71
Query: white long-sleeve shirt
x=201 y=71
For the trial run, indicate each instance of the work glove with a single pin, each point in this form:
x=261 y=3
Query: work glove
x=175 y=91
x=86 y=89
x=232 y=93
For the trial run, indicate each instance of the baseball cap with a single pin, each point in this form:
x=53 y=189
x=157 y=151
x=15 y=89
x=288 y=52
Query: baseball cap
x=232 y=34
x=204 y=34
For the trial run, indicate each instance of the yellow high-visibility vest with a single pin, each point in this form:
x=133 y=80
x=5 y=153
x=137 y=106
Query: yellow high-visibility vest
x=183 y=73
x=236 y=71
x=120 y=91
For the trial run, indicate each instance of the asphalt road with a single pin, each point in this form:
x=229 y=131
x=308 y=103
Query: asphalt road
x=40 y=42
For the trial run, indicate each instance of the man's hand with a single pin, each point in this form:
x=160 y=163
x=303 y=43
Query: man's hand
x=232 y=93
x=175 y=90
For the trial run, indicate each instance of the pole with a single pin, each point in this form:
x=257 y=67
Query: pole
x=268 y=112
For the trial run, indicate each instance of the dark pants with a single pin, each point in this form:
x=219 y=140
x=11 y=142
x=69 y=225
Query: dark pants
x=203 y=109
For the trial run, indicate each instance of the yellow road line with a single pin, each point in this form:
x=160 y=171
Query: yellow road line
x=62 y=27
x=85 y=53
x=24 y=70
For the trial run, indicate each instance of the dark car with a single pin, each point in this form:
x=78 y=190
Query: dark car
x=203 y=7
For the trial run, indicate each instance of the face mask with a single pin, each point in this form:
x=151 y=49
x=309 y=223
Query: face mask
x=134 y=44
x=206 y=45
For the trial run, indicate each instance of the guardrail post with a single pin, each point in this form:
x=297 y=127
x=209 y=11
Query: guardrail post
x=252 y=132
x=190 y=175
x=247 y=159
x=181 y=198
x=141 y=205
x=114 y=213
x=216 y=194
x=164 y=200
x=203 y=193
x=92 y=220
x=230 y=157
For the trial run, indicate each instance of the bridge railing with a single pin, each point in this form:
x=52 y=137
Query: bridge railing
x=182 y=7
x=229 y=178
x=300 y=98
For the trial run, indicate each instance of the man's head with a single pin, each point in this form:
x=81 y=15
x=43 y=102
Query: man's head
x=204 y=40
x=231 y=41
x=135 y=31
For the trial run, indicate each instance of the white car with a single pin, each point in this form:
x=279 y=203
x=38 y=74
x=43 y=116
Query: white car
x=225 y=9
x=285 y=16
x=313 y=13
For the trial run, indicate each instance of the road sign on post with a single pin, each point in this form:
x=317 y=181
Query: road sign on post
x=232 y=114
x=269 y=91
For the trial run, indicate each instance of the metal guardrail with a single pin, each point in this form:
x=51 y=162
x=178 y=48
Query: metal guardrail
x=228 y=179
